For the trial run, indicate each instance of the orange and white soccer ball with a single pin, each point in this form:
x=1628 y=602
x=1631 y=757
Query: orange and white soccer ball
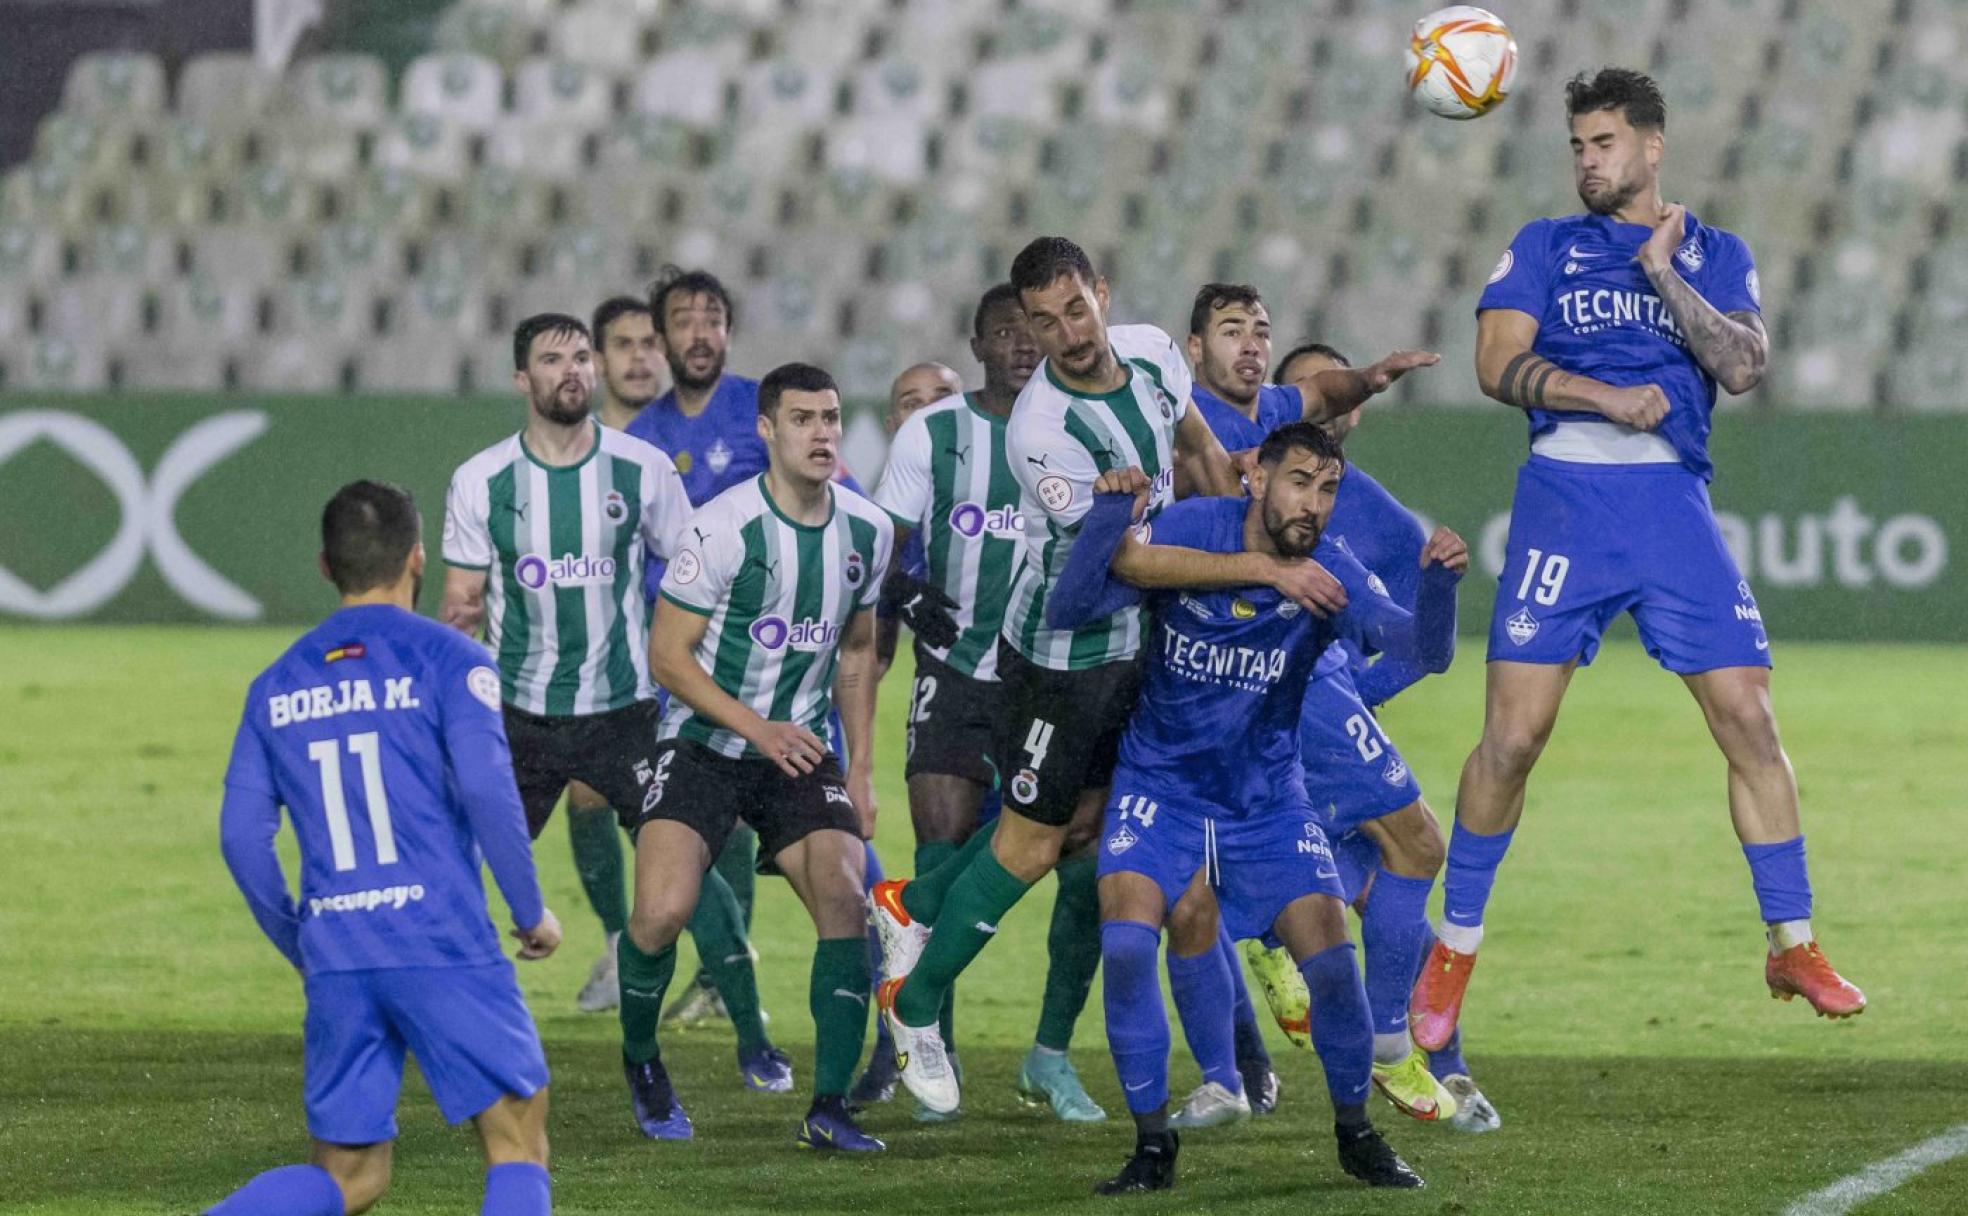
x=1461 y=61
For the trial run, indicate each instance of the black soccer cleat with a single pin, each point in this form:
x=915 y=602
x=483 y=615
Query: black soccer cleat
x=1366 y=1156
x=1152 y=1168
x=1260 y=1086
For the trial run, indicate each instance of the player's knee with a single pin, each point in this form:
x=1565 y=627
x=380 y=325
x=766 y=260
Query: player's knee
x=1192 y=927
x=1510 y=750
x=1746 y=729
x=654 y=929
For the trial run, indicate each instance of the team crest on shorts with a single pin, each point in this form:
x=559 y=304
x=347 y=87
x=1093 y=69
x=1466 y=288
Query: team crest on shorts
x=1121 y=841
x=1521 y=626
x=852 y=570
x=1396 y=772
x=615 y=507
x=1025 y=786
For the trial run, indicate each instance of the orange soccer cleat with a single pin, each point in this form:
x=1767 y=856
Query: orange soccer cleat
x=1437 y=999
x=1804 y=971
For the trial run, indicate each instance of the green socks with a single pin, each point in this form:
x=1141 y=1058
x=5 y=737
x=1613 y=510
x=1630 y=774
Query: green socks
x=645 y=978
x=929 y=857
x=837 y=995
x=718 y=928
x=980 y=896
x=1072 y=952
x=737 y=867
x=598 y=860
x=924 y=897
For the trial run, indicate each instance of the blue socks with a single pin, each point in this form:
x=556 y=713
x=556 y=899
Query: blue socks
x=1394 y=929
x=519 y=1188
x=1251 y=1052
x=1137 y=1024
x=1342 y=1033
x=1782 y=882
x=1201 y=988
x=291 y=1190
x=1472 y=871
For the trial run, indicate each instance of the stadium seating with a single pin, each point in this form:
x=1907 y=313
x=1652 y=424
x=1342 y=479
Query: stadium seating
x=859 y=170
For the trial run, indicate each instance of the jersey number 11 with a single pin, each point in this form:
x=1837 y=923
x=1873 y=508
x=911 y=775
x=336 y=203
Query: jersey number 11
x=327 y=756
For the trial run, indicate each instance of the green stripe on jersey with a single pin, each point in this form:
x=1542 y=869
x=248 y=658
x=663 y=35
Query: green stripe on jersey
x=564 y=509
x=508 y=625
x=971 y=534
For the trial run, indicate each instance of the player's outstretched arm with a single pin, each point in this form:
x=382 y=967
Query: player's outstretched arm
x=1203 y=465
x=673 y=640
x=1509 y=371
x=1333 y=391
x=854 y=696
x=248 y=819
x=463 y=605
x=1733 y=348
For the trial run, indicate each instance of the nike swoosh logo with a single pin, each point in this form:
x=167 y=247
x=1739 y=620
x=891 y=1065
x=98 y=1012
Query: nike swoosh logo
x=901 y=1061
x=1135 y=1089
x=981 y=927
x=852 y=996
x=1764 y=644
x=1328 y=873
x=1575 y=253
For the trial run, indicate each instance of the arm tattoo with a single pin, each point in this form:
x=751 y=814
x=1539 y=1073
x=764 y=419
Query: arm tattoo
x=1734 y=348
x=1525 y=379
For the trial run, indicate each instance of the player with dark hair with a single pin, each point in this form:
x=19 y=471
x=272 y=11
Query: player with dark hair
x=1612 y=331
x=949 y=488
x=380 y=732
x=1210 y=809
x=766 y=619
x=1103 y=398
x=628 y=359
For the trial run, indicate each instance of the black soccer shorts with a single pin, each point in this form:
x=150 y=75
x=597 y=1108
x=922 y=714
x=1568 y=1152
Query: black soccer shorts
x=709 y=794
x=1059 y=732
x=614 y=752
x=952 y=722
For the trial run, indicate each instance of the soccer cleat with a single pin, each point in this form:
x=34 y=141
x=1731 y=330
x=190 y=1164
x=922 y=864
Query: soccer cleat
x=1210 y=1105
x=1413 y=1090
x=699 y=1003
x=657 y=1111
x=902 y=937
x=1364 y=1155
x=829 y=1126
x=603 y=991
x=926 y=1115
x=1260 y=1086
x=878 y=1080
x=1048 y=1079
x=1152 y=1168
x=1804 y=971
x=1437 y=999
x=920 y=1058
x=1284 y=991
x=1474 y=1113
x=767 y=1071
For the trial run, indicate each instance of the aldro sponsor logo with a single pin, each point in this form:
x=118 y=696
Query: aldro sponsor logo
x=969 y=520
x=777 y=633
x=571 y=570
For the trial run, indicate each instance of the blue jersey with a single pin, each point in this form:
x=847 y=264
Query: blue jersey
x=1383 y=536
x=717 y=449
x=1217 y=722
x=1598 y=316
x=381 y=733
x=1277 y=404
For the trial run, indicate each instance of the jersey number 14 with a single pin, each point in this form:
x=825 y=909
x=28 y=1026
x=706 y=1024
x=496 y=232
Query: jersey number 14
x=327 y=756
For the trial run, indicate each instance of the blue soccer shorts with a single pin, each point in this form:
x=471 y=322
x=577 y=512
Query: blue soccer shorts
x=1257 y=867
x=1353 y=773
x=468 y=1027
x=1588 y=542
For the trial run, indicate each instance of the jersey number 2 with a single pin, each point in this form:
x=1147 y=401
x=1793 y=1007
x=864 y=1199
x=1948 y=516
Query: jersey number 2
x=327 y=756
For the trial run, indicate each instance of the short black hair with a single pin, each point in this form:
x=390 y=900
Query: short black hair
x=1003 y=293
x=796 y=378
x=1293 y=436
x=613 y=308
x=1213 y=296
x=1308 y=348
x=1632 y=93
x=555 y=324
x=367 y=532
x=672 y=279
x=1045 y=260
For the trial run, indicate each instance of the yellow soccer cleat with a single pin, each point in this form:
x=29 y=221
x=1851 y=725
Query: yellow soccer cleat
x=1413 y=1090
x=1284 y=991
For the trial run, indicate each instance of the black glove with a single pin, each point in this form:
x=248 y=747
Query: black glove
x=925 y=609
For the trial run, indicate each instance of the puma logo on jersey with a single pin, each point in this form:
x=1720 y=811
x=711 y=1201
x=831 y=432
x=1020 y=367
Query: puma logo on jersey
x=1037 y=460
x=962 y=454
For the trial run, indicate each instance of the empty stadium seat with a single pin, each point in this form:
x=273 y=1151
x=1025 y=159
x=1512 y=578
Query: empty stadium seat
x=598 y=32
x=683 y=87
x=341 y=90
x=562 y=93
x=115 y=82
x=426 y=146
x=463 y=89
x=225 y=89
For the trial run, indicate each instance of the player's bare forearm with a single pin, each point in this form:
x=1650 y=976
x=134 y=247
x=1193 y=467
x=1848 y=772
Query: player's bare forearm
x=854 y=691
x=1507 y=370
x=1175 y=568
x=888 y=638
x=463 y=605
x=1203 y=467
x=1333 y=391
x=672 y=639
x=1733 y=347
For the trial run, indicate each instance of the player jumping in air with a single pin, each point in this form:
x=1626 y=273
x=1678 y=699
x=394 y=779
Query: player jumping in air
x=767 y=617
x=1611 y=330
x=1209 y=807
x=381 y=733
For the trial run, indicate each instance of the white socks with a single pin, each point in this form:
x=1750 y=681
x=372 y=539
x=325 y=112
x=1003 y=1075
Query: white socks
x=1392 y=1048
x=1463 y=939
x=1787 y=933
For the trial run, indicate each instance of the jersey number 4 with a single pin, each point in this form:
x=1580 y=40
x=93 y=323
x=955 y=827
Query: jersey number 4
x=1548 y=571
x=327 y=756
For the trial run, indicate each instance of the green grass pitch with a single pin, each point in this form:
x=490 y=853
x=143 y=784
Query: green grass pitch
x=150 y=1051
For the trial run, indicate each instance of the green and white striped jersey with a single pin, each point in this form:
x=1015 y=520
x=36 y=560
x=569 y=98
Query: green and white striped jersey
x=563 y=551
x=778 y=595
x=947 y=476
x=1059 y=442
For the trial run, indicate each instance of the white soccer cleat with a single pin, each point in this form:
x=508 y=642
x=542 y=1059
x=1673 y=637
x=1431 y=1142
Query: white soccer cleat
x=902 y=936
x=603 y=991
x=1474 y=1113
x=1210 y=1105
x=925 y=1065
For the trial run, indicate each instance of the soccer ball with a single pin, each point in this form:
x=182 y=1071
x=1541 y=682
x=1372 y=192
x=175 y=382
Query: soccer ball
x=1461 y=61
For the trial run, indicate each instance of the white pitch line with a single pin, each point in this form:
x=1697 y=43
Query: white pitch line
x=1882 y=1176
